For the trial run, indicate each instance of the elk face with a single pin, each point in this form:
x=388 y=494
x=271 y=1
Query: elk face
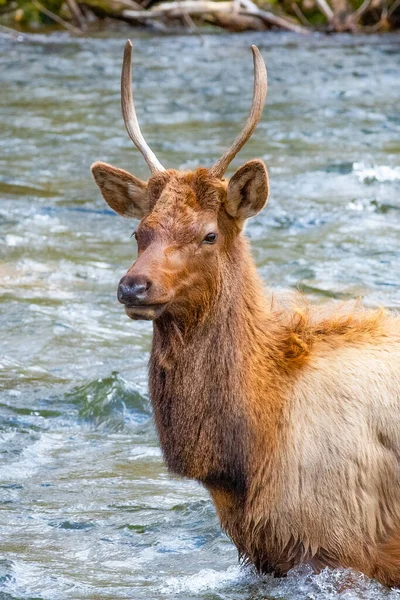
x=188 y=223
x=187 y=220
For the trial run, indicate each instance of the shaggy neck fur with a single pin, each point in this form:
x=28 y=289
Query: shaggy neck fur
x=201 y=378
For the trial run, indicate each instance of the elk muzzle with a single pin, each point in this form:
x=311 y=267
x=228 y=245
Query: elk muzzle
x=133 y=291
x=139 y=296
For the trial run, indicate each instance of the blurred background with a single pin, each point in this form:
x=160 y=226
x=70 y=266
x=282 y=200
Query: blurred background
x=301 y=16
x=87 y=509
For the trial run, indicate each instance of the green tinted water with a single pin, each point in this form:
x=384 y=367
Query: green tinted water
x=87 y=509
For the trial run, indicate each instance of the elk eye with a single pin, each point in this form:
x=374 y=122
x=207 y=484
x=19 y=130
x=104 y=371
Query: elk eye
x=210 y=238
x=134 y=234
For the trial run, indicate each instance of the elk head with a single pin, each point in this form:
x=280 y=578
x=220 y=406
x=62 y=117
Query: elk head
x=188 y=220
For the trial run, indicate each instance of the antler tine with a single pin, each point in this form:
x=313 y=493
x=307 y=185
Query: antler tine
x=129 y=113
x=259 y=95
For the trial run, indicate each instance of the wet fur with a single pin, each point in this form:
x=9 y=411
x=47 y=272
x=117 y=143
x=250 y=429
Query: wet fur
x=288 y=414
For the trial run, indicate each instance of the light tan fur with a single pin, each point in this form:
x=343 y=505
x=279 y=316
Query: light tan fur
x=328 y=490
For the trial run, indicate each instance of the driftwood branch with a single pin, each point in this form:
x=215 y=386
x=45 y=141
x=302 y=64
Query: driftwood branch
x=394 y=7
x=340 y=18
x=203 y=8
x=233 y=21
x=112 y=8
x=249 y=8
x=177 y=9
x=76 y=14
x=325 y=9
x=56 y=18
x=300 y=15
x=357 y=14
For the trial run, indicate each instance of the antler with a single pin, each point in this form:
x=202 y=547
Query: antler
x=129 y=113
x=259 y=95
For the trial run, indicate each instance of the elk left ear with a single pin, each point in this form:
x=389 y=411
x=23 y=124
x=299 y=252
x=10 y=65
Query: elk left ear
x=123 y=192
x=248 y=190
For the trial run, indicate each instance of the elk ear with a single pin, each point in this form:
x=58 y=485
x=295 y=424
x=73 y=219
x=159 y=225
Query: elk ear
x=247 y=191
x=123 y=192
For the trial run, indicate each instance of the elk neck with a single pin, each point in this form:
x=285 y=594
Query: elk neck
x=207 y=377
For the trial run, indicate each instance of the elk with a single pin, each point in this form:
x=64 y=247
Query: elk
x=288 y=414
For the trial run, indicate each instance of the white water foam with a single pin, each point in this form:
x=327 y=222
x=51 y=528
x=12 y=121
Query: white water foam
x=140 y=452
x=207 y=579
x=34 y=457
x=300 y=584
x=380 y=173
x=330 y=584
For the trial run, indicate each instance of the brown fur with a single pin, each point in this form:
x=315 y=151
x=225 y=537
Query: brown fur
x=287 y=413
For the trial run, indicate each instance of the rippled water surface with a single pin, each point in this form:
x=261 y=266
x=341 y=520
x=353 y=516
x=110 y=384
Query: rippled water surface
x=87 y=509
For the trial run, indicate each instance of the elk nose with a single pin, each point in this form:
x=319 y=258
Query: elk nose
x=133 y=290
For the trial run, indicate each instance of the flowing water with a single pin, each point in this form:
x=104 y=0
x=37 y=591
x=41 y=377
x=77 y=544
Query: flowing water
x=87 y=509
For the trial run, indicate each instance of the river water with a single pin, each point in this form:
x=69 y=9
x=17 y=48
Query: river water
x=87 y=509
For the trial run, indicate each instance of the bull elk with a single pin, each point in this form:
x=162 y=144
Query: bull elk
x=288 y=414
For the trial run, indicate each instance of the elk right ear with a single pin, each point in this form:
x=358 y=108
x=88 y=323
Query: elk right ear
x=247 y=191
x=123 y=192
